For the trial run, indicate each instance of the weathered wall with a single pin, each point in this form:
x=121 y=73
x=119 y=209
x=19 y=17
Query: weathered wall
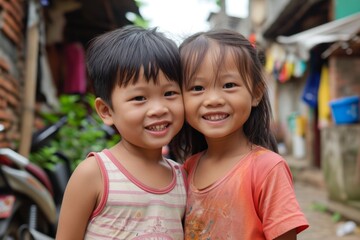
x=11 y=70
x=341 y=161
x=344 y=76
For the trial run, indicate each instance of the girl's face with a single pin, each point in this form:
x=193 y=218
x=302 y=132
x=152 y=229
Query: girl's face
x=217 y=102
x=147 y=115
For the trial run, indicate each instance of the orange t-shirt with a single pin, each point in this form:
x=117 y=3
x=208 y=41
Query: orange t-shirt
x=255 y=200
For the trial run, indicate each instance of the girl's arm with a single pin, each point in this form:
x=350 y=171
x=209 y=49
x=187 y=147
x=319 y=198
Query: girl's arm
x=80 y=199
x=290 y=235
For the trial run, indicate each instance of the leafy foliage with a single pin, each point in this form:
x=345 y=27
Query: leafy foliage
x=83 y=132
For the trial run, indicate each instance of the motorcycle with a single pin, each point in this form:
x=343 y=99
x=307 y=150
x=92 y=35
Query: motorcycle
x=30 y=197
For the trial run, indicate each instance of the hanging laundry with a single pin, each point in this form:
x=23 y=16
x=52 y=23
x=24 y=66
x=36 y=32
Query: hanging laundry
x=290 y=65
x=324 y=98
x=283 y=75
x=269 y=64
x=277 y=69
x=299 y=68
x=287 y=68
x=310 y=93
x=75 y=74
x=311 y=90
x=275 y=57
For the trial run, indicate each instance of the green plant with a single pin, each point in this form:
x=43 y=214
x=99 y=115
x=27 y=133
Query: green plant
x=319 y=207
x=82 y=133
x=336 y=217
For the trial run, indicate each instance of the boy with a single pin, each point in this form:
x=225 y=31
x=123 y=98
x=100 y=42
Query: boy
x=130 y=191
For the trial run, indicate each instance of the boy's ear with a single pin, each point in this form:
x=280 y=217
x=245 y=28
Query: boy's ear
x=104 y=111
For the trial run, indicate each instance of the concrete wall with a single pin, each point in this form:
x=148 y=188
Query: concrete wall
x=341 y=162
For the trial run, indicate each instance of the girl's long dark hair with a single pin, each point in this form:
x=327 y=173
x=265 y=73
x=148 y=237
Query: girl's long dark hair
x=249 y=62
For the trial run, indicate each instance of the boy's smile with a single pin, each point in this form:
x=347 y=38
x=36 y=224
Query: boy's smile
x=158 y=129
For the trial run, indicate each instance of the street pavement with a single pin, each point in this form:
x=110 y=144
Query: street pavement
x=322 y=225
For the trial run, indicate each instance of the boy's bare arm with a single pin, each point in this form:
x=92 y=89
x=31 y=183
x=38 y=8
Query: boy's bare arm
x=79 y=200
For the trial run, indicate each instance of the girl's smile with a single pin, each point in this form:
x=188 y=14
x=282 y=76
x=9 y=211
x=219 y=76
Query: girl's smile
x=215 y=116
x=217 y=102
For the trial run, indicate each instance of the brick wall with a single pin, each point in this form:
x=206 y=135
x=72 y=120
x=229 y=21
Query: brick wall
x=344 y=76
x=11 y=71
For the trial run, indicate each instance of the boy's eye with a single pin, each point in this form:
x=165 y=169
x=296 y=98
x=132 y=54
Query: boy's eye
x=197 y=88
x=229 y=85
x=170 y=93
x=139 y=98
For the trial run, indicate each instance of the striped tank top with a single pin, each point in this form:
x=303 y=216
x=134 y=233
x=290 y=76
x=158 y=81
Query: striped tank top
x=132 y=210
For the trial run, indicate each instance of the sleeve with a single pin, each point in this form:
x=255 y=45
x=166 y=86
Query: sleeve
x=186 y=167
x=278 y=206
x=190 y=163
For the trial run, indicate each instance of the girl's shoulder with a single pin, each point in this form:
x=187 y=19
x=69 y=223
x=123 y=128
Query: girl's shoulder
x=266 y=165
x=265 y=158
x=191 y=162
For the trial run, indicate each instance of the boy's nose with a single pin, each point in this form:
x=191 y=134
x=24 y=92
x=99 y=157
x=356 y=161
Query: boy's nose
x=158 y=109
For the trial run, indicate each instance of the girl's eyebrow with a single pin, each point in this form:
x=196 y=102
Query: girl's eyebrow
x=227 y=73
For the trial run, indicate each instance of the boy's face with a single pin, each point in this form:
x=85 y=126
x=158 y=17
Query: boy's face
x=147 y=115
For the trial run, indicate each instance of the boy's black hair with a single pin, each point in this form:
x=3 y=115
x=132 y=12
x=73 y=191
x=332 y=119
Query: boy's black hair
x=192 y=51
x=116 y=58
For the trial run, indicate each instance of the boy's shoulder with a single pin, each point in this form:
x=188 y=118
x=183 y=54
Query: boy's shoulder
x=88 y=166
x=173 y=162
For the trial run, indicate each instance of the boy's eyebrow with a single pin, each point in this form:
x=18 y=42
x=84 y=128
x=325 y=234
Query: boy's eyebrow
x=137 y=87
x=171 y=83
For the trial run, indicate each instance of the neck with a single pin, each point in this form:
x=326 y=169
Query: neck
x=136 y=153
x=227 y=147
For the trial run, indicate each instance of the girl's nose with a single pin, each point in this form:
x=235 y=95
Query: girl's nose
x=214 y=98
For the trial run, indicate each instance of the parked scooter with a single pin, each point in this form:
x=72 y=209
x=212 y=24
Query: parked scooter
x=29 y=198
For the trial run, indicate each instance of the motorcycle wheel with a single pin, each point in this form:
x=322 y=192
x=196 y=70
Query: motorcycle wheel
x=20 y=221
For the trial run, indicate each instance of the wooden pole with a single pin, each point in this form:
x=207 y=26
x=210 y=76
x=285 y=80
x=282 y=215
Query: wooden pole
x=32 y=52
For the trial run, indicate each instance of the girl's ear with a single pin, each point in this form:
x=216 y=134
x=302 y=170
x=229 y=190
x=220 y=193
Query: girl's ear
x=255 y=101
x=104 y=111
x=257 y=96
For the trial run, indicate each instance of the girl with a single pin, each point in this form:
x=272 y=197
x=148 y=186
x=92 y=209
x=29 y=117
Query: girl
x=239 y=188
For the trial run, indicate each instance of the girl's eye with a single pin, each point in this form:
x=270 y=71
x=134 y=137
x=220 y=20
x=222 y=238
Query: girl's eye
x=170 y=93
x=197 y=88
x=229 y=85
x=139 y=98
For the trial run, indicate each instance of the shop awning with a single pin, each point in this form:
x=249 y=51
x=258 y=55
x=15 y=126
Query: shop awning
x=342 y=29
